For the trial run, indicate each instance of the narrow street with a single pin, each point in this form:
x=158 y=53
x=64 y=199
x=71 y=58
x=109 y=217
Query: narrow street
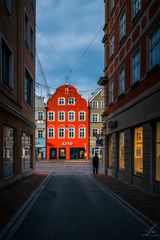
x=72 y=206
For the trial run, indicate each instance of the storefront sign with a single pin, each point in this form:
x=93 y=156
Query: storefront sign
x=67 y=143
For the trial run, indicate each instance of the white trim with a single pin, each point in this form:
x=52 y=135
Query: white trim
x=64 y=116
x=59 y=132
x=71 y=120
x=73 y=132
x=61 y=98
x=53 y=132
x=84 y=116
x=84 y=132
x=53 y=116
x=97 y=114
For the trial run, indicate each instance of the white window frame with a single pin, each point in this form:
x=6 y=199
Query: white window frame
x=102 y=104
x=93 y=117
x=111 y=91
x=59 y=113
x=61 y=128
x=72 y=119
x=80 y=130
x=51 y=119
x=40 y=115
x=123 y=25
x=95 y=104
x=72 y=103
x=136 y=66
x=73 y=132
x=40 y=130
x=79 y=116
x=61 y=101
x=154 y=47
x=53 y=132
x=121 y=82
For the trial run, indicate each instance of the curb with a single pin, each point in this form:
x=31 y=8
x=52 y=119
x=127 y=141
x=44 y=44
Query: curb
x=9 y=230
x=145 y=220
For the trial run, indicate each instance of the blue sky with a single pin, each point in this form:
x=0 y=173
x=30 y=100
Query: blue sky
x=64 y=30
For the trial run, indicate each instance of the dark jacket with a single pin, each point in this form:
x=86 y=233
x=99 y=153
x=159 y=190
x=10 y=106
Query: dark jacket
x=95 y=161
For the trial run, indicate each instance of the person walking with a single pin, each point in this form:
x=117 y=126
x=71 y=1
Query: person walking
x=95 y=163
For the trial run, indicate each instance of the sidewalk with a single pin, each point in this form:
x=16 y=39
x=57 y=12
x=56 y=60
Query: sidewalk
x=12 y=197
x=146 y=203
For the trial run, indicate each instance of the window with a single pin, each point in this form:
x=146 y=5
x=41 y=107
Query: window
x=33 y=2
x=155 y=48
x=95 y=131
x=102 y=93
x=123 y=25
x=7 y=75
x=138 y=150
x=40 y=115
x=81 y=132
x=26 y=29
x=82 y=116
x=95 y=117
x=121 y=81
x=121 y=151
x=61 y=133
x=136 y=61
x=40 y=133
x=8 y=5
x=102 y=104
x=94 y=104
x=158 y=151
x=71 y=116
x=71 y=133
x=50 y=132
x=28 y=90
x=61 y=101
x=71 y=101
x=111 y=50
x=61 y=116
x=26 y=152
x=51 y=116
x=31 y=40
x=111 y=6
x=8 y=151
x=111 y=91
x=136 y=7
x=110 y=150
x=66 y=90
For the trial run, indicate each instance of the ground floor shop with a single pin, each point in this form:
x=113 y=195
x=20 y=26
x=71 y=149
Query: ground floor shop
x=132 y=144
x=16 y=142
x=67 y=153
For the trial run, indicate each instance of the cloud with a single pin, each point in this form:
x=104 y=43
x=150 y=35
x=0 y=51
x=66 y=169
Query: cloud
x=65 y=28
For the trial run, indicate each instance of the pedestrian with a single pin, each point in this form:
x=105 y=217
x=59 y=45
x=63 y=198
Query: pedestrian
x=95 y=163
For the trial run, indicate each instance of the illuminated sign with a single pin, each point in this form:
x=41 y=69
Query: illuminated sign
x=67 y=143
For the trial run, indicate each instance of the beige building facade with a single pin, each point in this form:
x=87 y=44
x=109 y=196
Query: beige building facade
x=96 y=107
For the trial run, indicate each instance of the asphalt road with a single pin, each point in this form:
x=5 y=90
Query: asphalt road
x=72 y=207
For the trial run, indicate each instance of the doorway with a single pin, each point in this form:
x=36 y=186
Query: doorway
x=53 y=153
x=62 y=153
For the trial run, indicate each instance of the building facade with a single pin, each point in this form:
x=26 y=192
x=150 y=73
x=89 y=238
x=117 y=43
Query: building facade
x=40 y=134
x=132 y=86
x=67 y=125
x=96 y=109
x=17 y=76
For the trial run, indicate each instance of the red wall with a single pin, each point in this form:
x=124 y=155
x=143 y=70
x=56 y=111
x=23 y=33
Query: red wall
x=80 y=105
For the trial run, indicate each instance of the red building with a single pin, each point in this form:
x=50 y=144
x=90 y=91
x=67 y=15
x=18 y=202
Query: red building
x=67 y=125
x=132 y=84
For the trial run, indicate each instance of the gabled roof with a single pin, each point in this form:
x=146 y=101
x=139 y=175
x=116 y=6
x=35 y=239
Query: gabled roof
x=95 y=94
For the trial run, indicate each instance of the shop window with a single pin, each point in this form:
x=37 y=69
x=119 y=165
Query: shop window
x=155 y=48
x=158 y=152
x=110 y=150
x=121 y=151
x=138 y=150
x=8 y=151
x=26 y=152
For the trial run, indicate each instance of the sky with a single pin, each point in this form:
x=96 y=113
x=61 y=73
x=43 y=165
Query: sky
x=65 y=29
